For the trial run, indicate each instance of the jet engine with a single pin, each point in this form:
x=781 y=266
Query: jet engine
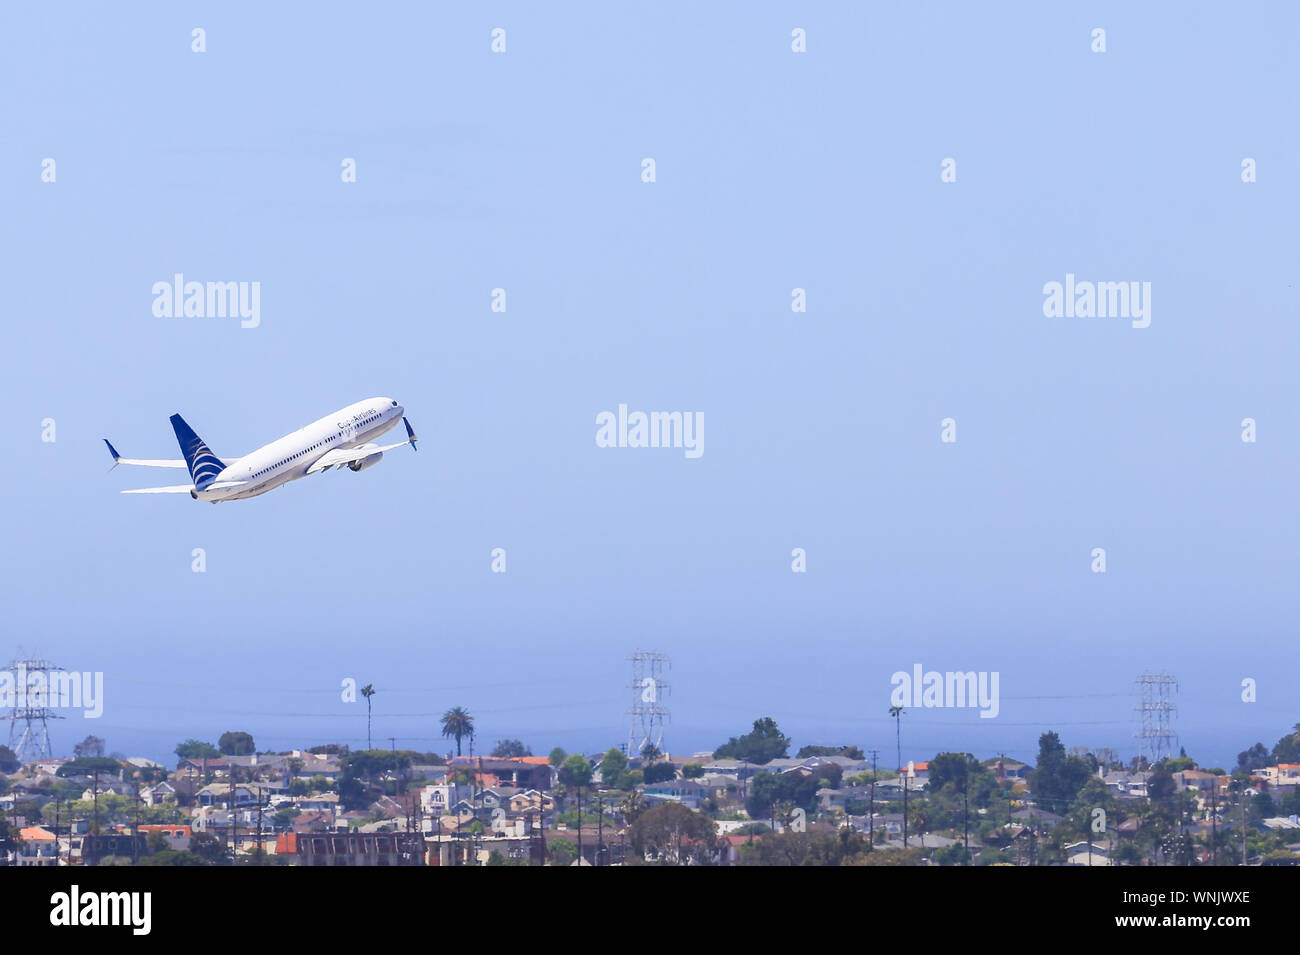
x=368 y=461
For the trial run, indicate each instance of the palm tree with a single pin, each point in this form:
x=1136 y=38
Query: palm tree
x=368 y=691
x=897 y=713
x=458 y=723
x=631 y=807
x=649 y=753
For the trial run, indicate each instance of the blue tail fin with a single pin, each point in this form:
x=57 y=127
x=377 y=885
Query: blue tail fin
x=203 y=464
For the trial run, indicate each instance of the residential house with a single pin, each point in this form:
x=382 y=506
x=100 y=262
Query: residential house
x=218 y=794
x=1195 y=779
x=158 y=793
x=318 y=802
x=1004 y=768
x=435 y=799
x=39 y=847
x=527 y=799
x=852 y=799
x=688 y=792
x=1086 y=854
x=735 y=768
x=197 y=768
x=354 y=848
x=178 y=837
x=517 y=772
x=48 y=766
x=1127 y=784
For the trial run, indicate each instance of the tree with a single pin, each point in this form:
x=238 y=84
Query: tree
x=88 y=765
x=557 y=757
x=576 y=772
x=659 y=773
x=90 y=746
x=850 y=752
x=1257 y=757
x=562 y=852
x=196 y=749
x=1057 y=779
x=897 y=713
x=613 y=769
x=209 y=848
x=631 y=807
x=692 y=771
x=8 y=760
x=172 y=857
x=674 y=834
x=329 y=749
x=962 y=774
x=1287 y=749
x=510 y=749
x=368 y=691
x=457 y=722
x=236 y=743
x=767 y=790
x=762 y=744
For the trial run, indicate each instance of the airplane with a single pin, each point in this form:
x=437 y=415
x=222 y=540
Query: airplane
x=338 y=439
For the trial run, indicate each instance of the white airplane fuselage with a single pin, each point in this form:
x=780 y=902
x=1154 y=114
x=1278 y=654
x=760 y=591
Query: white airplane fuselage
x=287 y=459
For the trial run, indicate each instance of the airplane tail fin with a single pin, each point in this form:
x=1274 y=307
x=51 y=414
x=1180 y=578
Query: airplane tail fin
x=203 y=464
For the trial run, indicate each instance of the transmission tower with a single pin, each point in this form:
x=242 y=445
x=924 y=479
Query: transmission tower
x=1157 y=736
x=647 y=714
x=29 y=706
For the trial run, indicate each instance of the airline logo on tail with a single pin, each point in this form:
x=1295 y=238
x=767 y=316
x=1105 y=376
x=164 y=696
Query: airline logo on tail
x=203 y=464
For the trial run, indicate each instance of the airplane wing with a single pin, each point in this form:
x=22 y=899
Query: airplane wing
x=341 y=456
x=184 y=488
x=153 y=462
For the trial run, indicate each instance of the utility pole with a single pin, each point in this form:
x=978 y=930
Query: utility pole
x=392 y=748
x=234 y=818
x=1214 y=821
x=965 y=827
x=135 y=833
x=600 y=828
x=905 y=778
x=871 y=818
x=1244 y=860
x=897 y=713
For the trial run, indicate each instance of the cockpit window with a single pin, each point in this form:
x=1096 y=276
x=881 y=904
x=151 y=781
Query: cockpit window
x=394 y=404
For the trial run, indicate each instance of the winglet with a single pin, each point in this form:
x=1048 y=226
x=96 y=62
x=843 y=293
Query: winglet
x=113 y=451
x=410 y=435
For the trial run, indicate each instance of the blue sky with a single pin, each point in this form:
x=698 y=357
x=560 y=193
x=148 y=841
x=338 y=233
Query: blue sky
x=774 y=170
